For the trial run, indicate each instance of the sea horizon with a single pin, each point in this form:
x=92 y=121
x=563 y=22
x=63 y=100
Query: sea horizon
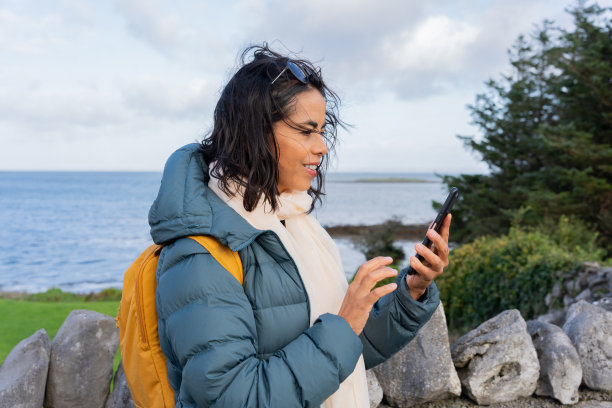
x=80 y=230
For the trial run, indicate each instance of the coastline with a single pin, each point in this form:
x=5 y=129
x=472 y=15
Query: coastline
x=402 y=232
x=347 y=236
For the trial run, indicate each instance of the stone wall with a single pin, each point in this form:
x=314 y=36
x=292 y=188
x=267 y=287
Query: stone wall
x=503 y=359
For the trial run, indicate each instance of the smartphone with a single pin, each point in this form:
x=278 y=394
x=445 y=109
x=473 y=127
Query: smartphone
x=437 y=222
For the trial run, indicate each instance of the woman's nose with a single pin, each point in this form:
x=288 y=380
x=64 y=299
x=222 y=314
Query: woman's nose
x=319 y=147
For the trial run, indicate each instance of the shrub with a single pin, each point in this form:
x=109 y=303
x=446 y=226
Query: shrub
x=516 y=270
x=55 y=294
x=379 y=240
x=109 y=294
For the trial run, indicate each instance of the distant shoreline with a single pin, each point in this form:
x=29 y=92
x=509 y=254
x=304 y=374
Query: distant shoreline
x=384 y=180
x=403 y=232
x=411 y=232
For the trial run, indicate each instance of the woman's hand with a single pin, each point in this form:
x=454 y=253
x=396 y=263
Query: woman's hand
x=360 y=297
x=435 y=261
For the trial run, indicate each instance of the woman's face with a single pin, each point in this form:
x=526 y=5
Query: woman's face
x=300 y=150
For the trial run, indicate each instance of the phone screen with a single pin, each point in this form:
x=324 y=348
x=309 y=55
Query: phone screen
x=437 y=222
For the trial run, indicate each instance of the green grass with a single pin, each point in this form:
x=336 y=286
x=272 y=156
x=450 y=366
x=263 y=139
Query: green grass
x=21 y=318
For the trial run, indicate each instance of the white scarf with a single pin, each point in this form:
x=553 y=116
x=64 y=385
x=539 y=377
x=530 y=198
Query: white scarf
x=318 y=261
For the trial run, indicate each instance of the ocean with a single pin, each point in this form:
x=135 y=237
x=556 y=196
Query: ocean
x=79 y=231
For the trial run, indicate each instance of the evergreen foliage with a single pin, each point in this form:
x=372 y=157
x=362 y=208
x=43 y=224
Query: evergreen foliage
x=546 y=134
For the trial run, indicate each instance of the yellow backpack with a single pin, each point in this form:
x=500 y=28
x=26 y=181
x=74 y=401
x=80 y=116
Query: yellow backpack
x=144 y=363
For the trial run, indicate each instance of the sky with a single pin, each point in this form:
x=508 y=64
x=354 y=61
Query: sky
x=118 y=85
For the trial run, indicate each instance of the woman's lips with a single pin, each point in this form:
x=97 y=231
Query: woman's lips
x=311 y=169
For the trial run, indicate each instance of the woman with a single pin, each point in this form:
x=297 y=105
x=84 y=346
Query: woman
x=295 y=333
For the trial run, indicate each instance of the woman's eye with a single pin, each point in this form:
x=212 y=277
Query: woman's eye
x=312 y=131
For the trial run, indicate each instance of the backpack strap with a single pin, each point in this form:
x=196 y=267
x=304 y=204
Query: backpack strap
x=229 y=259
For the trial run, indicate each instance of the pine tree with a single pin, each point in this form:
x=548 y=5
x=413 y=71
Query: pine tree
x=546 y=134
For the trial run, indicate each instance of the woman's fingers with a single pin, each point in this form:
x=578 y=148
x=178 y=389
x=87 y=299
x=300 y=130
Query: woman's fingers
x=381 y=291
x=430 y=257
x=440 y=240
x=425 y=272
x=370 y=265
x=360 y=296
x=445 y=229
x=434 y=261
x=371 y=279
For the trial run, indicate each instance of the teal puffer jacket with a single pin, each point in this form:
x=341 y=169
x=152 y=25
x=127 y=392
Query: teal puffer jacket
x=229 y=345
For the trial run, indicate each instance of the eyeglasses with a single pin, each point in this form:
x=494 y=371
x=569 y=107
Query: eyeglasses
x=297 y=72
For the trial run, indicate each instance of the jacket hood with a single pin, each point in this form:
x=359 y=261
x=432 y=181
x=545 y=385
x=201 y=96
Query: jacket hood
x=186 y=206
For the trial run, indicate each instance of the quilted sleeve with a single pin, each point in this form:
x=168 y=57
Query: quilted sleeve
x=395 y=320
x=208 y=333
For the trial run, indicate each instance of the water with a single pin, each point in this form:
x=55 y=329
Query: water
x=350 y=202
x=80 y=231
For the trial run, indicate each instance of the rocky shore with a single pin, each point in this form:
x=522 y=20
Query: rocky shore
x=563 y=358
x=588 y=399
x=401 y=232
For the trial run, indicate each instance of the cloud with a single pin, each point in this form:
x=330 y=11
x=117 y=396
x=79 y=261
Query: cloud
x=163 y=99
x=439 y=43
x=140 y=70
x=198 y=35
x=339 y=31
x=412 y=49
x=26 y=34
x=43 y=111
x=145 y=22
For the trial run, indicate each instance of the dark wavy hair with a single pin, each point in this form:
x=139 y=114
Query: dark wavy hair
x=241 y=143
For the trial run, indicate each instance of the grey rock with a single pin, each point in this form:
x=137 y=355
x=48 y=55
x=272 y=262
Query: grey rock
x=604 y=303
x=584 y=295
x=497 y=362
x=591 y=267
x=590 y=329
x=556 y=317
x=556 y=290
x=548 y=299
x=594 y=404
x=577 y=308
x=374 y=389
x=582 y=280
x=560 y=370
x=423 y=370
x=81 y=364
x=23 y=373
x=568 y=301
x=121 y=397
x=572 y=286
x=597 y=280
x=600 y=287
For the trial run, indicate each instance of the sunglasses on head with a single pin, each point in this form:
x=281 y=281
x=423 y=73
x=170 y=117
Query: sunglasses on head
x=297 y=72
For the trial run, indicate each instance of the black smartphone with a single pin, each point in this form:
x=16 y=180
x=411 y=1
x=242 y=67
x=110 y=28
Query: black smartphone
x=437 y=222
